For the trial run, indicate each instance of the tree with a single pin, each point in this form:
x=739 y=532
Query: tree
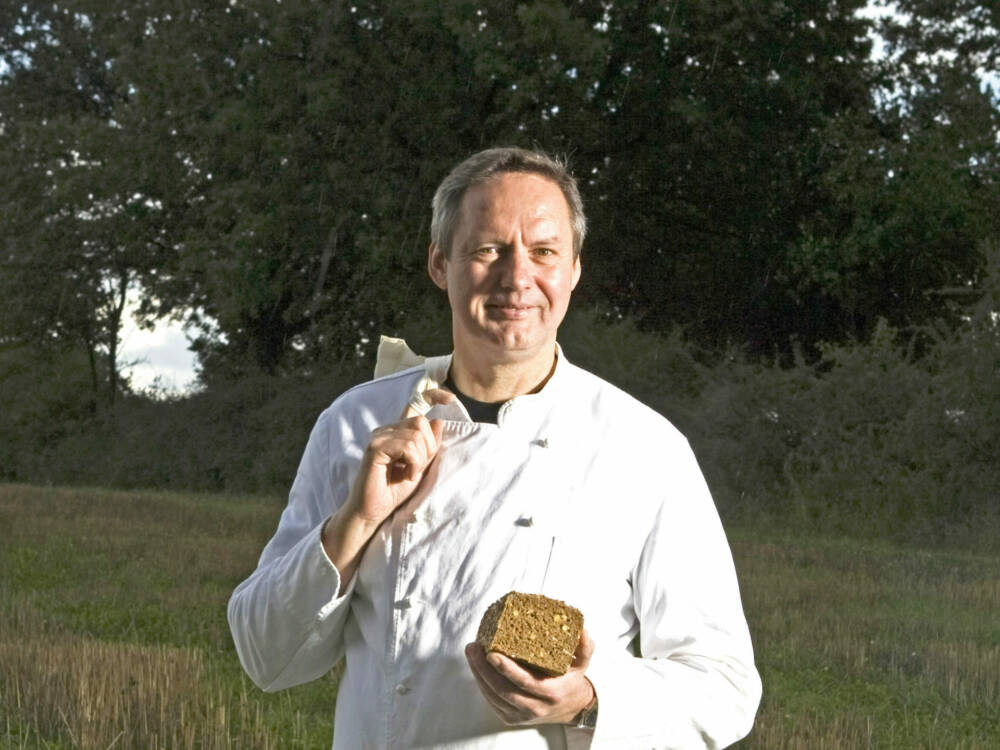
x=911 y=198
x=264 y=169
x=317 y=136
x=82 y=221
x=718 y=115
x=321 y=134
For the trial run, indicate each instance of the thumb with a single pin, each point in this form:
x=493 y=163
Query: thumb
x=422 y=401
x=437 y=427
x=584 y=650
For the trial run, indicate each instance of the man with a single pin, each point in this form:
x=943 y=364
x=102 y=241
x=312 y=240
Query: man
x=538 y=477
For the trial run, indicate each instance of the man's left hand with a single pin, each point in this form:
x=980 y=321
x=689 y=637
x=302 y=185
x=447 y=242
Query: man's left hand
x=520 y=696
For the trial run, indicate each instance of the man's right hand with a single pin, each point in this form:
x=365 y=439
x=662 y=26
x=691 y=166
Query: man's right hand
x=392 y=468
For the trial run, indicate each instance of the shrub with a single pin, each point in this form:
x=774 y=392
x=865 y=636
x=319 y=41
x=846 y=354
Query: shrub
x=877 y=438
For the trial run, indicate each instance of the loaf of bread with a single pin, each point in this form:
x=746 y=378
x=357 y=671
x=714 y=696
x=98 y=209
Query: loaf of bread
x=533 y=629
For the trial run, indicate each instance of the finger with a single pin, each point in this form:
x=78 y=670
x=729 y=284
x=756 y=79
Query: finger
x=476 y=656
x=498 y=684
x=504 y=710
x=427 y=443
x=400 y=470
x=504 y=702
x=519 y=686
x=480 y=669
x=431 y=440
x=441 y=396
x=425 y=396
x=584 y=651
x=519 y=677
x=418 y=456
x=403 y=453
x=416 y=430
x=437 y=429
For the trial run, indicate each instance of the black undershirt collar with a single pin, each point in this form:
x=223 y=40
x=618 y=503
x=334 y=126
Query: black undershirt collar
x=479 y=411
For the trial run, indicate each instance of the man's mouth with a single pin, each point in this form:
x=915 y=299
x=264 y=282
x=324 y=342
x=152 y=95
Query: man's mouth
x=509 y=310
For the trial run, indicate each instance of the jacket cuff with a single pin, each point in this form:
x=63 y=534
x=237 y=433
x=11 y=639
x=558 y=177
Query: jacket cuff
x=308 y=583
x=323 y=574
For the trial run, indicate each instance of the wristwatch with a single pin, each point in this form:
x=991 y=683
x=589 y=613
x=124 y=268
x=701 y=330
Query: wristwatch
x=587 y=718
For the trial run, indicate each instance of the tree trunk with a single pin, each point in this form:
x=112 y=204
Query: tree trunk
x=114 y=328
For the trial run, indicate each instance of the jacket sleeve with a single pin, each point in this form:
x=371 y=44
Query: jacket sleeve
x=287 y=619
x=695 y=684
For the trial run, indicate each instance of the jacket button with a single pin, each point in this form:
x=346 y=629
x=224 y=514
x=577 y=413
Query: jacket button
x=402 y=689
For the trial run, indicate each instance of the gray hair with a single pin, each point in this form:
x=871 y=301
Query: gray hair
x=486 y=165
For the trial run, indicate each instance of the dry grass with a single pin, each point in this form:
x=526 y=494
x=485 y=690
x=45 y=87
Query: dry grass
x=95 y=694
x=869 y=646
x=113 y=633
x=812 y=731
x=112 y=625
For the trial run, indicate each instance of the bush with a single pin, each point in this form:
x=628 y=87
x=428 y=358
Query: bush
x=875 y=439
x=872 y=441
x=245 y=436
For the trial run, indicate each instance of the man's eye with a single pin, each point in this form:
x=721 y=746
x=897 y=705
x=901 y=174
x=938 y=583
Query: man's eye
x=544 y=251
x=487 y=250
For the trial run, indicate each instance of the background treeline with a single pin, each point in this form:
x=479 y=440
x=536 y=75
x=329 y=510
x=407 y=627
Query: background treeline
x=793 y=246
x=872 y=440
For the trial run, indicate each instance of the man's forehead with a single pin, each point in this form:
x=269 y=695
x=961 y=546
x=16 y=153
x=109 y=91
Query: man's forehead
x=532 y=200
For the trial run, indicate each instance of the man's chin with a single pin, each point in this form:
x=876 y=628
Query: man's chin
x=505 y=345
x=514 y=349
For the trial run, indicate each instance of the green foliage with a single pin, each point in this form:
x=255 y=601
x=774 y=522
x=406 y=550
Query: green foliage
x=875 y=440
x=86 y=197
x=758 y=189
x=962 y=33
x=240 y=436
x=314 y=164
x=265 y=169
x=909 y=209
x=894 y=437
x=720 y=121
x=45 y=397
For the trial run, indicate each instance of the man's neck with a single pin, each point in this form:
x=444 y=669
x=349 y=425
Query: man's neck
x=495 y=382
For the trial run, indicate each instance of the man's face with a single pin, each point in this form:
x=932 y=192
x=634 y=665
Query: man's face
x=511 y=270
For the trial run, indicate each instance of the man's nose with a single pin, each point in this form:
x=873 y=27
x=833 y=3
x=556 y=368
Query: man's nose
x=516 y=272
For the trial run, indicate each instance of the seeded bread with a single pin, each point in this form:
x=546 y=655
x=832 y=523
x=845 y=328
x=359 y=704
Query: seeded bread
x=533 y=629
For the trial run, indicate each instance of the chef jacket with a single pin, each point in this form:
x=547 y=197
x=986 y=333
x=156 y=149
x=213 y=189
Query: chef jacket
x=578 y=492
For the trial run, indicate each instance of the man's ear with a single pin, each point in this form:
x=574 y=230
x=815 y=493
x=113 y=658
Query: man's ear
x=437 y=266
x=576 y=272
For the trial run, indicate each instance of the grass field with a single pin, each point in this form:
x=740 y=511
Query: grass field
x=113 y=632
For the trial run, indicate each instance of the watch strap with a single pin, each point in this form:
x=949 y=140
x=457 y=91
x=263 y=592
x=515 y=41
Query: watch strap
x=587 y=718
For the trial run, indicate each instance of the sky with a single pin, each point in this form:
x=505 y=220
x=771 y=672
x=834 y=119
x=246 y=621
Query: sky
x=159 y=358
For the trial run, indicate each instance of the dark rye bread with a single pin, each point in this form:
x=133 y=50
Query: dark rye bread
x=533 y=629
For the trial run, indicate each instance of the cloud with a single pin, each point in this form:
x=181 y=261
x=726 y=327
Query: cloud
x=159 y=356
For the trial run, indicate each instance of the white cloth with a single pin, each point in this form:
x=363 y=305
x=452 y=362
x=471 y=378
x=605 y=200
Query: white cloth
x=581 y=493
x=394 y=355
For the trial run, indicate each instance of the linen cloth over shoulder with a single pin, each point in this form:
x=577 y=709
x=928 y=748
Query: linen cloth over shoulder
x=579 y=492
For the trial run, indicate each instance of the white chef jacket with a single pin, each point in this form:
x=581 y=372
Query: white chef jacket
x=579 y=492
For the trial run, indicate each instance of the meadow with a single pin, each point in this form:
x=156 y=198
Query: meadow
x=113 y=631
